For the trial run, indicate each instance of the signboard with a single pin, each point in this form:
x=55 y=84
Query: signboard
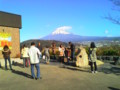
x=5 y=39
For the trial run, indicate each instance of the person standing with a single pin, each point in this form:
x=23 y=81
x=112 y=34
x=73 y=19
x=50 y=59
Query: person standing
x=93 y=57
x=39 y=46
x=66 y=59
x=72 y=48
x=21 y=56
x=34 y=54
x=25 y=56
x=61 y=53
x=6 y=54
x=47 y=55
x=40 y=49
x=54 y=50
x=0 y=64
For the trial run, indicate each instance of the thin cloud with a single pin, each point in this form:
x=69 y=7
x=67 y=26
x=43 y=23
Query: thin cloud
x=106 y=31
x=109 y=36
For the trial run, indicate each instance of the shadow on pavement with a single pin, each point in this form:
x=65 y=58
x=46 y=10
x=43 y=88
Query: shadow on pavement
x=21 y=73
x=17 y=64
x=75 y=68
x=110 y=69
x=2 y=67
x=111 y=88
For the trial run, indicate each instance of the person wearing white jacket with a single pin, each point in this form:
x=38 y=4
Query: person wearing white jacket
x=25 y=55
x=34 y=54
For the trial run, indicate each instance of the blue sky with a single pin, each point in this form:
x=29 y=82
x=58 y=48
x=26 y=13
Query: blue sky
x=42 y=17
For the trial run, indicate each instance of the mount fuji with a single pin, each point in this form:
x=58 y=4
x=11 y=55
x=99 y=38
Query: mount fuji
x=61 y=34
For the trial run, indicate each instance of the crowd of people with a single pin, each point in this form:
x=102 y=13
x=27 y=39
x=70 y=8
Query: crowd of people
x=32 y=56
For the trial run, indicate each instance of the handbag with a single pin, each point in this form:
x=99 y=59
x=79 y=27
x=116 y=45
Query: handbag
x=89 y=63
x=43 y=56
x=65 y=60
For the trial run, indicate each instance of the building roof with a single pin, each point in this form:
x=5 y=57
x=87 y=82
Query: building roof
x=10 y=20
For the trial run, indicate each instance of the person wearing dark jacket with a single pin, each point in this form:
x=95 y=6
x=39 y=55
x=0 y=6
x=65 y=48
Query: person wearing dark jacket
x=72 y=48
x=39 y=47
x=6 y=54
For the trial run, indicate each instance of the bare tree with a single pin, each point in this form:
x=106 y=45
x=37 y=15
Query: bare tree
x=113 y=19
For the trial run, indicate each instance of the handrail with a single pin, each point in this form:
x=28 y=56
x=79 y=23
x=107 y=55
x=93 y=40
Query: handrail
x=111 y=58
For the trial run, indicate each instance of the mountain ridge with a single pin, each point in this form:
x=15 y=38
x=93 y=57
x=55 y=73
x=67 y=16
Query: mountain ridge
x=76 y=38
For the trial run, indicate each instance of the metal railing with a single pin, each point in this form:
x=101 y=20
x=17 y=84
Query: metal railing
x=115 y=59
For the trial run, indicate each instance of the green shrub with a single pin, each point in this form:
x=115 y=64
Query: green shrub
x=106 y=51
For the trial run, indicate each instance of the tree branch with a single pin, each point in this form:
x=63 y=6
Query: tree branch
x=113 y=20
x=116 y=2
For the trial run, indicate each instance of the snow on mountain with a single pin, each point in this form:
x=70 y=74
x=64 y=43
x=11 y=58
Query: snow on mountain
x=62 y=30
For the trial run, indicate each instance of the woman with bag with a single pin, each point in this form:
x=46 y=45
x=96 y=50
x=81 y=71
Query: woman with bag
x=93 y=57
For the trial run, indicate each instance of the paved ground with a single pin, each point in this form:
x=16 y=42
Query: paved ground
x=58 y=77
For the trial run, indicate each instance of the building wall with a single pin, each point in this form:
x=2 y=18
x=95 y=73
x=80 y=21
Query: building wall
x=15 y=40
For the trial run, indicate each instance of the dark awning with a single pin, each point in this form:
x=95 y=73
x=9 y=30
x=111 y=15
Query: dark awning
x=10 y=20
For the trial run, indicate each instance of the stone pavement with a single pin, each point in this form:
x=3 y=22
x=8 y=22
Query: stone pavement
x=57 y=76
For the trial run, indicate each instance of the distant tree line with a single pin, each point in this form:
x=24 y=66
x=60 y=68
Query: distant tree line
x=113 y=50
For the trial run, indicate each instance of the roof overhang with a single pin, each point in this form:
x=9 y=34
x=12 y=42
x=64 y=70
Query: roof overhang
x=10 y=20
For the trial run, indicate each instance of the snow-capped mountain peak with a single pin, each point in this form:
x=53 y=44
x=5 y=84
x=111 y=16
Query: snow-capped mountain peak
x=61 y=30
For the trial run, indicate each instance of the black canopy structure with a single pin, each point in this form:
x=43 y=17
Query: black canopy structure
x=10 y=20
